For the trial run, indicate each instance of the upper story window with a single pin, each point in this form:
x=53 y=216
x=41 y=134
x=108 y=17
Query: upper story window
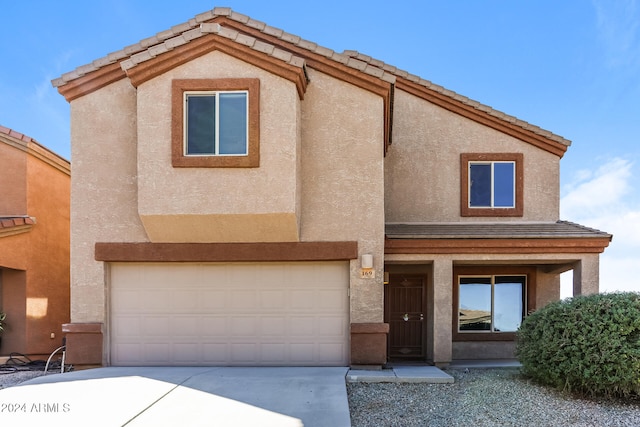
x=215 y=123
x=491 y=184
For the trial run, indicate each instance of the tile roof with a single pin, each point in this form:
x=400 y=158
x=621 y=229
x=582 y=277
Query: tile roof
x=10 y=225
x=200 y=24
x=34 y=148
x=15 y=134
x=525 y=230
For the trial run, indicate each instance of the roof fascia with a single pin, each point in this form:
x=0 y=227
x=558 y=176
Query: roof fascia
x=481 y=117
x=327 y=66
x=495 y=246
x=154 y=67
x=92 y=81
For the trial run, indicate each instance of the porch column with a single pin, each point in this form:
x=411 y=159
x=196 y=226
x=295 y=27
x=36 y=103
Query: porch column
x=586 y=274
x=442 y=311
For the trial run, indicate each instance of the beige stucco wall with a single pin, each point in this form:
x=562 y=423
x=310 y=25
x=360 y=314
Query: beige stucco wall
x=422 y=168
x=323 y=156
x=219 y=204
x=342 y=179
x=103 y=190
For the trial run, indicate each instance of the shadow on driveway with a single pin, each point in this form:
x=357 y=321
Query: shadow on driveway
x=193 y=396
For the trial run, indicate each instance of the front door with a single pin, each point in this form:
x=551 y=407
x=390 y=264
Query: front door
x=404 y=304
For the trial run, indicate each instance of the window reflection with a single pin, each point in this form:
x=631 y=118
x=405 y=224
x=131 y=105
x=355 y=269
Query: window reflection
x=491 y=304
x=475 y=304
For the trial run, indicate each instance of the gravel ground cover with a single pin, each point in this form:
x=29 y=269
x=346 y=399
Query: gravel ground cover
x=11 y=378
x=481 y=397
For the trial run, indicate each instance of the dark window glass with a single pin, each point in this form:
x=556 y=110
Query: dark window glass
x=480 y=185
x=201 y=124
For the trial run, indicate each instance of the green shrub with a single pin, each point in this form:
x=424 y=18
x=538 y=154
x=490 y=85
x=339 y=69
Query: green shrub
x=588 y=345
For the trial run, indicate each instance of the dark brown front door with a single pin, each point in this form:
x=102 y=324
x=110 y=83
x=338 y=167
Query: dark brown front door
x=404 y=312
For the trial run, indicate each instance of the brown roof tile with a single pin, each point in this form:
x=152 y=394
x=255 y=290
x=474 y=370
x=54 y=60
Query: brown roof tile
x=175 y=36
x=15 y=221
x=464 y=230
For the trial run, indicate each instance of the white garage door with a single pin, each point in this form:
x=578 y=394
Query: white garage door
x=230 y=314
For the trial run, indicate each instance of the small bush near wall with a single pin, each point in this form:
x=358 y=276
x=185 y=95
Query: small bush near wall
x=588 y=345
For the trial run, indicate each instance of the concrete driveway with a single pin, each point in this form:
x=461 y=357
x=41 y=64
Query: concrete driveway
x=189 y=396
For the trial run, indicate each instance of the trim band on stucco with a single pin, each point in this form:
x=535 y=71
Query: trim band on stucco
x=495 y=246
x=84 y=343
x=369 y=343
x=226 y=252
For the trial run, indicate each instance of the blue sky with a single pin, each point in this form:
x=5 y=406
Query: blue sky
x=571 y=67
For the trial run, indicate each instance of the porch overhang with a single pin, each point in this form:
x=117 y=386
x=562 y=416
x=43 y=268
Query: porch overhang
x=489 y=238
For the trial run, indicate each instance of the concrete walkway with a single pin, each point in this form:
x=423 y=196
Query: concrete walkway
x=401 y=374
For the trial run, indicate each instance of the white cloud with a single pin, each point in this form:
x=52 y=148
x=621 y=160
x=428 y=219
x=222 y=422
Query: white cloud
x=597 y=193
x=618 y=24
x=605 y=200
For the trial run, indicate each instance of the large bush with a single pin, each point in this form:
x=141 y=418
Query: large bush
x=588 y=345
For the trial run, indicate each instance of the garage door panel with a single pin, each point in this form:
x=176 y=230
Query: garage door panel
x=212 y=300
x=230 y=314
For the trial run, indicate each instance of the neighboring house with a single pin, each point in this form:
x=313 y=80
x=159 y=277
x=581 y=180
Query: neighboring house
x=34 y=245
x=245 y=197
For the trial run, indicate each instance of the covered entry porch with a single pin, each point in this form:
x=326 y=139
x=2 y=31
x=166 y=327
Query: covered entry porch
x=451 y=287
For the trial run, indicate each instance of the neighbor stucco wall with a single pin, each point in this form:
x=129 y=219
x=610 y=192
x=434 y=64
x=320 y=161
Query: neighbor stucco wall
x=34 y=264
x=219 y=204
x=104 y=204
x=47 y=291
x=422 y=170
x=13 y=180
x=342 y=179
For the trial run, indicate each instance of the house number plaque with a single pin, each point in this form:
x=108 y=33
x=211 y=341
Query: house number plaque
x=367 y=273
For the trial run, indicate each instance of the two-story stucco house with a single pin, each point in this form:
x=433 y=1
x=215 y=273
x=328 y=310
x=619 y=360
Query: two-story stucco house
x=241 y=196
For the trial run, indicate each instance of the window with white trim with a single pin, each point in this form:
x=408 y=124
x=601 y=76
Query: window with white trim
x=492 y=184
x=216 y=123
x=491 y=303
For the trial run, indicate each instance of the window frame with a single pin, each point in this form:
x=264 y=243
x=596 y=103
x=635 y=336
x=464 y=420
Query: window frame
x=466 y=159
x=180 y=89
x=485 y=271
x=217 y=96
x=493 y=283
